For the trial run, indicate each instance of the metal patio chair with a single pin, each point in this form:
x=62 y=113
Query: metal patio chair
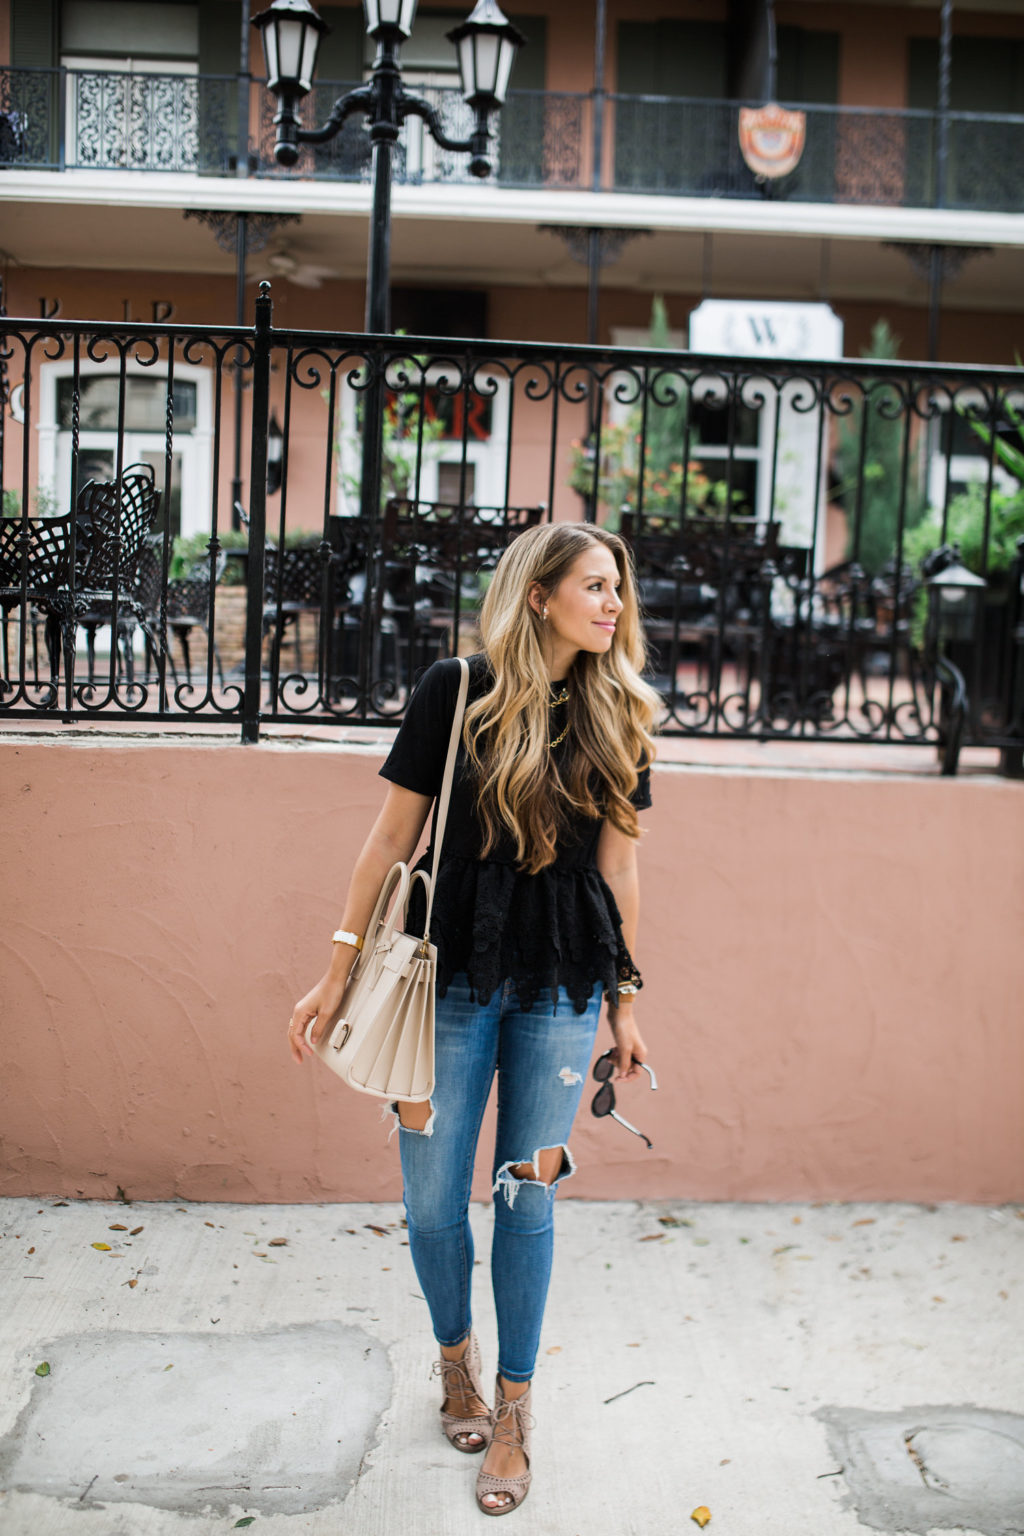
x=111 y=525
x=187 y=605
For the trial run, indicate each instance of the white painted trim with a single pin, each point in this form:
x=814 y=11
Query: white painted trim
x=195 y=447
x=490 y=204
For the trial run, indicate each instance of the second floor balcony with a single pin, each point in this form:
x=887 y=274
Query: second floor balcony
x=218 y=125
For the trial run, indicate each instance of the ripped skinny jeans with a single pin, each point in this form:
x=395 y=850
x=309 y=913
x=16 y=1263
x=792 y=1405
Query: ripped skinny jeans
x=541 y=1059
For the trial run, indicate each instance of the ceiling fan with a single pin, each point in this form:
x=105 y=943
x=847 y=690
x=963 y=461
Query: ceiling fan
x=285 y=264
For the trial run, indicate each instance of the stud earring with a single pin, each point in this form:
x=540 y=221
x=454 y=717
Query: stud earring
x=544 y=612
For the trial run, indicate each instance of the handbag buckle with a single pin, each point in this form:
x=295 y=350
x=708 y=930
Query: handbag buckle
x=346 y=1030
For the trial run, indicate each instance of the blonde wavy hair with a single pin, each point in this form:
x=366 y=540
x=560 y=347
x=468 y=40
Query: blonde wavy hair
x=611 y=710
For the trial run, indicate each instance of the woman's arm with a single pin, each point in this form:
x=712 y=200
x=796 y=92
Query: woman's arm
x=616 y=862
x=393 y=838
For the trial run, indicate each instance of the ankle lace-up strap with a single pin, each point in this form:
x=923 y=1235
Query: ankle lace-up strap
x=512 y=1422
x=455 y=1377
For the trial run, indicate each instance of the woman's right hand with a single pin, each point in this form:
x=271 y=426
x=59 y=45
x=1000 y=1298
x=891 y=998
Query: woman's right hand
x=319 y=1004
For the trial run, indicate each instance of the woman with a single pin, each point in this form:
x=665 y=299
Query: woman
x=535 y=917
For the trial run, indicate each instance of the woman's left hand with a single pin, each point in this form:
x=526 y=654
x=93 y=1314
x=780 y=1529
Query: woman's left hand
x=629 y=1047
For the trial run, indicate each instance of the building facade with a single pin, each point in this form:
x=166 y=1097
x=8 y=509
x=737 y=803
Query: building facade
x=134 y=134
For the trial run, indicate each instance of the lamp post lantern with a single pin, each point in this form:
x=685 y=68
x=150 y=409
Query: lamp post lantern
x=953 y=594
x=486 y=45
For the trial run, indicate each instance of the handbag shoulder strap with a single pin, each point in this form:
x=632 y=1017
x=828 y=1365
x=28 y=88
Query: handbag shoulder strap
x=446 y=785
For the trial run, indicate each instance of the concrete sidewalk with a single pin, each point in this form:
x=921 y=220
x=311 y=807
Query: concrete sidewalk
x=799 y=1370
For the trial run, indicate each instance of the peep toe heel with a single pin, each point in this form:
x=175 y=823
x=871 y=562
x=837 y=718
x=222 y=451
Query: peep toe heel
x=511 y=1423
x=461 y=1382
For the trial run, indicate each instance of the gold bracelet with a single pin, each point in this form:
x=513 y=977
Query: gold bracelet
x=342 y=936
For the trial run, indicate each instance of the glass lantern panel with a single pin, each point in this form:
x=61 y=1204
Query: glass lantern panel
x=393 y=13
x=506 y=58
x=268 y=37
x=310 y=50
x=467 y=68
x=291 y=36
x=486 y=63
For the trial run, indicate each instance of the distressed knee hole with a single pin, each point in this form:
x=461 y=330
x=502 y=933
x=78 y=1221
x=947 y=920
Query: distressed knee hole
x=547 y=1166
x=418 y=1118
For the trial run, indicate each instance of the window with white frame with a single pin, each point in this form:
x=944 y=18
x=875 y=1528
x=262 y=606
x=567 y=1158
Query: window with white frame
x=736 y=469
x=959 y=455
x=464 y=449
x=188 y=508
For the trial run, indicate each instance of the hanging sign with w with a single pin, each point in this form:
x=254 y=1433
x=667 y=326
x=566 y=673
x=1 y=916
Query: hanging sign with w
x=772 y=139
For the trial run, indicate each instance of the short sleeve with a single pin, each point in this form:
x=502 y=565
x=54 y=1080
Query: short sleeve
x=417 y=758
x=640 y=799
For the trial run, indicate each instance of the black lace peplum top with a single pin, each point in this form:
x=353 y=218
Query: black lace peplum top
x=558 y=928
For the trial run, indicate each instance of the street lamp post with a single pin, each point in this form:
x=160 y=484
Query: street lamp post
x=953 y=593
x=486 y=44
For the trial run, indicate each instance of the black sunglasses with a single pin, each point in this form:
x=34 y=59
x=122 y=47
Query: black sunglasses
x=604 y=1099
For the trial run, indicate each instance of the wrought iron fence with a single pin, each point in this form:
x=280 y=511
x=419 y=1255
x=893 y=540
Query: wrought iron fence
x=786 y=522
x=104 y=119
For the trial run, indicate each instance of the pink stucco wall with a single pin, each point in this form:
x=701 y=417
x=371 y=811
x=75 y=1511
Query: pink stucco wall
x=834 y=969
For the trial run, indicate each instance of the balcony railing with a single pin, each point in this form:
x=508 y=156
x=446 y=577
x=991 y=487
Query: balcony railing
x=783 y=519
x=69 y=119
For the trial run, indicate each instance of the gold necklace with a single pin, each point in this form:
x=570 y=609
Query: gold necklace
x=560 y=698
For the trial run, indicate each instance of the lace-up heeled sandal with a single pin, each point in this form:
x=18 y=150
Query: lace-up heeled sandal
x=461 y=1382
x=511 y=1423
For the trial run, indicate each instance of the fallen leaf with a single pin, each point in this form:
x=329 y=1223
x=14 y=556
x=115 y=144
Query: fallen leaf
x=245 y=1520
x=865 y=1221
x=135 y=1231
x=132 y=1284
x=31 y=1250
x=653 y=1237
x=258 y=1255
x=675 y=1221
x=278 y=1242
x=958 y=1237
x=43 y=1369
x=169 y=1367
x=207 y=1223
x=797 y=1220
x=556 y=1349
x=938 y=1298
x=1005 y=1295
x=103 y=1247
x=701 y=1242
x=632 y=1346
x=117 y=1226
x=380 y=1231
x=702 y=1515
x=725 y=1461
x=58 y=1203
x=786 y=1248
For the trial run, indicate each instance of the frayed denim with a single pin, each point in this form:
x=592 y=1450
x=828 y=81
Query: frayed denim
x=541 y=1059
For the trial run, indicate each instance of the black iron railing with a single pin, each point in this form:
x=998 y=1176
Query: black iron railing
x=783 y=518
x=59 y=119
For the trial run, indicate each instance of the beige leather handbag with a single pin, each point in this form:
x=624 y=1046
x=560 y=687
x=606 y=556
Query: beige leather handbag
x=381 y=1040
